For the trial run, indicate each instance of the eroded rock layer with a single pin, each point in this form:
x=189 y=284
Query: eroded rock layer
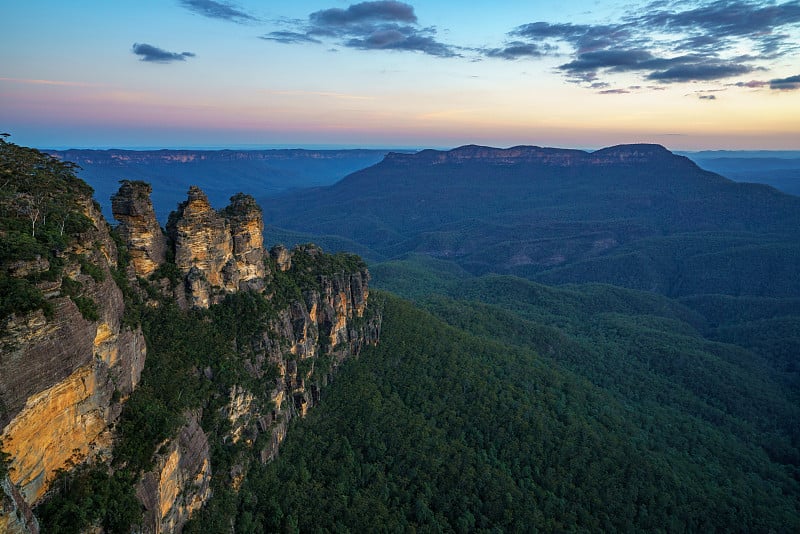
x=64 y=376
x=218 y=253
x=138 y=227
x=180 y=482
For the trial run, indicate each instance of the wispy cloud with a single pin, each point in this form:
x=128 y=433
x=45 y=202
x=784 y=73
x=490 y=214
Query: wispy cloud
x=218 y=10
x=381 y=25
x=60 y=83
x=666 y=41
x=287 y=37
x=153 y=54
x=328 y=94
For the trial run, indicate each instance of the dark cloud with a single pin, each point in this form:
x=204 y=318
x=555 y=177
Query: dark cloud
x=515 y=50
x=400 y=39
x=154 y=54
x=612 y=59
x=704 y=71
x=613 y=92
x=672 y=42
x=287 y=37
x=792 y=83
x=365 y=12
x=727 y=18
x=384 y=25
x=752 y=84
x=707 y=97
x=584 y=38
x=217 y=10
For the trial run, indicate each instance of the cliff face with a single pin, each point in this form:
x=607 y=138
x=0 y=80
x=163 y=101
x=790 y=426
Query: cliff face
x=554 y=157
x=138 y=227
x=308 y=342
x=180 y=482
x=70 y=365
x=64 y=376
x=218 y=253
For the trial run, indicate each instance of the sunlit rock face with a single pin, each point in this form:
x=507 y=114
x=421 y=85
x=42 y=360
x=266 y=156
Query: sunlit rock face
x=138 y=227
x=180 y=482
x=247 y=232
x=218 y=252
x=64 y=376
x=16 y=516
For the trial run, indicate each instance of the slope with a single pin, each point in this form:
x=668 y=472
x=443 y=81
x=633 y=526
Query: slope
x=543 y=213
x=438 y=430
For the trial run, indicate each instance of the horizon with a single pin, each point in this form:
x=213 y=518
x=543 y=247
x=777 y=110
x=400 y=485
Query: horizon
x=691 y=76
x=329 y=147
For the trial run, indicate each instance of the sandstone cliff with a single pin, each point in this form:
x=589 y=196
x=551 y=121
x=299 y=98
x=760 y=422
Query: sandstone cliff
x=138 y=227
x=218 y=253
x=180 y=482
x=71 y=361
x=64 y=374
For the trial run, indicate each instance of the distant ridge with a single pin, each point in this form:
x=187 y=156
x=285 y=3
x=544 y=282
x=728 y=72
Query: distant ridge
x=635 y=215
x=525 y=154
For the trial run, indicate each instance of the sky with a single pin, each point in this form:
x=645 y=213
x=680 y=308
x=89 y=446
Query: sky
x=690 y=75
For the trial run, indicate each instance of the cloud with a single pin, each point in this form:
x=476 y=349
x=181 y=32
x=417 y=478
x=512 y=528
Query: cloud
x=668 y=41
x=727 y=18
x=792 y=83
x=701 y=71
x=217 y=10
x=400 y=39
x=707 y=97
x=382 y=25
x=154 y=54
x=287 y=37
x=515 y=50
x=363 y=12
x=613 y=92
x=753 y=84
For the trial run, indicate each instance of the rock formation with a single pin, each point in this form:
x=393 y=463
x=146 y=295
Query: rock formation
x=218 y=253
x=66 y=373
x=63 y=376
x=180 y=482
x=138 y=227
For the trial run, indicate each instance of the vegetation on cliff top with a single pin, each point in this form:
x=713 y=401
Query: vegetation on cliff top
x=42 y=206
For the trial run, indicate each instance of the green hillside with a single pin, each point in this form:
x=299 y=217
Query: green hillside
x=437 y=429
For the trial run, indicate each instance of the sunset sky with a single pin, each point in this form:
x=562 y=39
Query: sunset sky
x=586 y=74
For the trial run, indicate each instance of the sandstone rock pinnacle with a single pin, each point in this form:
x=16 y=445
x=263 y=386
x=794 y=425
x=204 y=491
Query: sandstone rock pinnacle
x=140 y=230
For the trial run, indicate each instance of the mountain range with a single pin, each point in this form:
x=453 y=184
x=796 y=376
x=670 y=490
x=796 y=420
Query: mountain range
x=633 y=215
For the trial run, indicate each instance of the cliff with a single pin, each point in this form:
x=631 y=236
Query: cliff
x=138 y=227
x=218 y=253
x=234 y=353
x=555 y=157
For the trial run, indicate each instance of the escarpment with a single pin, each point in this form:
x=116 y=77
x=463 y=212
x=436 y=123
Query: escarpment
x=67 y=366
x=238 y=342
x=138 y=227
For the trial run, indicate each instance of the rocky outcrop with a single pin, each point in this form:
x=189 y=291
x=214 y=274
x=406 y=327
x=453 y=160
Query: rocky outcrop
x=64 y=376
x=180 y=482
x=16 y=516
x=307 y=343
x=218 y=253
x=247 y=232
x=67 y=367
x=138 y=227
